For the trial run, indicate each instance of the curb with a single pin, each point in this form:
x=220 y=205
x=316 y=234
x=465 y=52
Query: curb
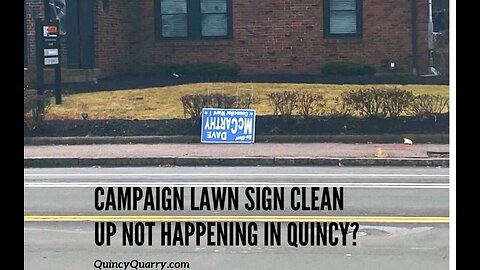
x=231 y=161
x=382 y=138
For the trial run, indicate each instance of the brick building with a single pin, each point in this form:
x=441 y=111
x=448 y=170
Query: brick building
x=269 y=36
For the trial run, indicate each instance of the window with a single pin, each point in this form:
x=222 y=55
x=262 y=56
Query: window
x=343 y=18
x=174 y=18
x=193 y=19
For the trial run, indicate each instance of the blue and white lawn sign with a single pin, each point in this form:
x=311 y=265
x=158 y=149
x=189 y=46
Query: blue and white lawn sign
x=228 y=125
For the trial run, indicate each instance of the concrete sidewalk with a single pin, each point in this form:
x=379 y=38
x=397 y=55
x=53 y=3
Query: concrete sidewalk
x=259 y=154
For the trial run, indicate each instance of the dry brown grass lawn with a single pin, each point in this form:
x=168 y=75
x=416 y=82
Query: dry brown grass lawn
x=164 y=102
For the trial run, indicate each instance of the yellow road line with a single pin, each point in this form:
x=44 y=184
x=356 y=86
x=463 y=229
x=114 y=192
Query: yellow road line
x=369 y=219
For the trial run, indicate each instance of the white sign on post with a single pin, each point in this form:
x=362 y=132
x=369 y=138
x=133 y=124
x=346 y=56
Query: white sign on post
x=50 y=52
x=51 y=61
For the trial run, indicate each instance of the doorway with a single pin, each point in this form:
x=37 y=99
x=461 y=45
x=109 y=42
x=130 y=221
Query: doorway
x=77 y=26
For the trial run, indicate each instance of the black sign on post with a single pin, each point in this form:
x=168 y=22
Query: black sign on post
x=48 y=55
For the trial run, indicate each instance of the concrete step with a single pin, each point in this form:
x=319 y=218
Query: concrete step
x=68 y=75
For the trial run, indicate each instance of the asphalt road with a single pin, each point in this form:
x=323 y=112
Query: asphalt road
x=402 y=213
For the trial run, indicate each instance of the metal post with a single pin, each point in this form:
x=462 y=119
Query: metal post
x=40 y=85
x=431 y=46
x=58 y=70
x=58 y=85
x=414 y=36
x=430 y=25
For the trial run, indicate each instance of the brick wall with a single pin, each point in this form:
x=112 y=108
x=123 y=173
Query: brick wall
x=422 y=30
x=37 y=8
x=32 y=8
x=286 y=36
x=270 y=36
x=112 y=28
x=110 y=41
